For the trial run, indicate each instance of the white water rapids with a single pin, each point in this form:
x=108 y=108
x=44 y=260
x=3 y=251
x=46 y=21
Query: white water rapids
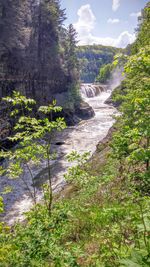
x=81 y=137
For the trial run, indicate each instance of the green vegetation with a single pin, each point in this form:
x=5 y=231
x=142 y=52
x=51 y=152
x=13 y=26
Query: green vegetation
x=143 y=33
x=98 y=224
x=117 y=95
x=105 y=73
x=92 y=58
x=37 y=54
x=34 y=137
x=135 y=122
x=102 y=217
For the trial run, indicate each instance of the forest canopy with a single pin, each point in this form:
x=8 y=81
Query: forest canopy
x=92 y=58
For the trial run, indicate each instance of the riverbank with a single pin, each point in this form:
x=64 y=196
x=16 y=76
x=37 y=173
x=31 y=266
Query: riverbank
x=82 y=137
x=92 y=220
x=95 y=164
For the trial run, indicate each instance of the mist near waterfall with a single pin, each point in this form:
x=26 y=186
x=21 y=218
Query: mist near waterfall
x=116 y=78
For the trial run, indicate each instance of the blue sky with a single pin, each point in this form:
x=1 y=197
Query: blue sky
x=107 y=22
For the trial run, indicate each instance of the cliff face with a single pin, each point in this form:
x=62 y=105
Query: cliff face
x=31 y=57
x=32 y=53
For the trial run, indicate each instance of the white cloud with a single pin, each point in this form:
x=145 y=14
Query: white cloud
x=113 y=21
x=85 y=25
x=86 y=20
x=122 y=40
x=134 y=14
x=115 y=5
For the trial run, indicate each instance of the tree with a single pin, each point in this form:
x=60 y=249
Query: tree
x=71 y=62
x=30 y=48
x=14 y=36
x=92 y=58
x=143 y=34
x=46 y=22
x=45 y=73
x=132 y=142
x=31 y=132
x=105 y=73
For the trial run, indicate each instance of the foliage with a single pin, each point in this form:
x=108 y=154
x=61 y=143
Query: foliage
x=31 y=132
x=73 y=97
x=105 y=73
x=137 y=259
x=35 y=57
x=143 y=34
x=71 y=67
x=92 y=58
x=118 y=94
x=70 y=54
x=80 y=231
x=105 y=220
x=90 y=228
x=132 y=140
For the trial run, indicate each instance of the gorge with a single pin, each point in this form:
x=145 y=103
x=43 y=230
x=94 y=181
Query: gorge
x=82 y=137
x=74 y=133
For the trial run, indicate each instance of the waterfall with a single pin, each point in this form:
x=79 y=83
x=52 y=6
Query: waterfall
x=91 y=90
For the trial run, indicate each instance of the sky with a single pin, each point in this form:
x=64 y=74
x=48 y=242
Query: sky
x=106 y=22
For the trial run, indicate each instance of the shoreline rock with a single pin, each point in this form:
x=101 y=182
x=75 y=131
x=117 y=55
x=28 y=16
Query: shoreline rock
x=84 y=111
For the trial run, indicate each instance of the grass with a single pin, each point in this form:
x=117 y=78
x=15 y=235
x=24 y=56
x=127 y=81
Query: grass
x=96 y=221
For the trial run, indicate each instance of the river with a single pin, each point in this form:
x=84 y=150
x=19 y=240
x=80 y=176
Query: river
x=81 y=137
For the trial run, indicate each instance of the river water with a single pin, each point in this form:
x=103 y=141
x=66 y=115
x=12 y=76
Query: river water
x=82 y=137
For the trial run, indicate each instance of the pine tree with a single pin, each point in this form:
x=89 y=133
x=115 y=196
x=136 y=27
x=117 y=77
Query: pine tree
x=14 y=37
x=13 y=33
x=70 y=53
x=43 y=53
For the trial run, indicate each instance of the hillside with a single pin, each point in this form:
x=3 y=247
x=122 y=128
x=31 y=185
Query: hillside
x=74 y=196
x=92 y=57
